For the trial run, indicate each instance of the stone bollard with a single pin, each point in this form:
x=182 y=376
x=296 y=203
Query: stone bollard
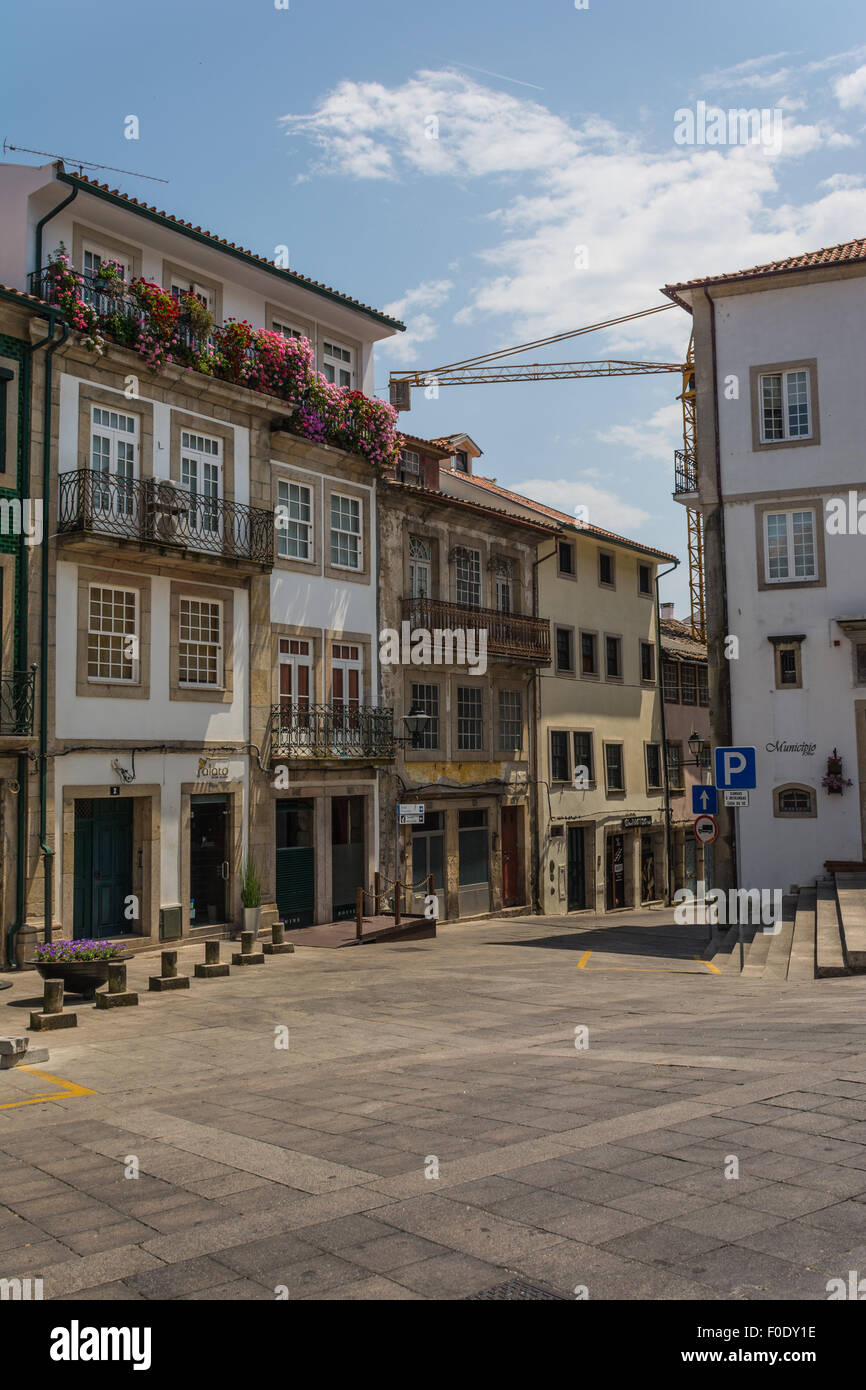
x=169 y=979
x=212 y=966
x=246 y=955
x=278 y=945
x=14 y=1050
x=118 y=996
x=52 y=1015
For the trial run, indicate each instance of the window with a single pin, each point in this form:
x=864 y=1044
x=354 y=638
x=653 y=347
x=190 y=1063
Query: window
x=468 y=577
x=203 y=293
x=425 y=698
x=789 y=546
x=201 y=477
x=583 y=757
x=588 y=654
x=93 y=257
x=113 y=444
x=606 y=570
x=510 y=720
x=420 y=567
x=461 y=461
x=504 y=574
x=285 y=330
x=787 y=661
x=675 y=766
x=613 y=658
x=564 y=650
x=337 y=364
x=689 y=683
x=860 y=663
x=346 y=532
x=671 y=681
x=295 y=672
x=559 y=756
x=653 y=766
x=647 y=662
x=470 y=720
x=645 y=579
x=200 y=643
x=794 y=801
x=295 y=526
x=703 y=686
x=346 y=676
x=410 y=466
x=785 y=405
x=112 y=634
x=613 y=767
x=566 y=558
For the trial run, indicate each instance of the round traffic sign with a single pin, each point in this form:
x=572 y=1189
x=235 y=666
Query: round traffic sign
x=706 y=829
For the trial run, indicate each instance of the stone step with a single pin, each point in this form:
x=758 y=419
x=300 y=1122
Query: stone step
x=756 y=956
x=732 y=964
x=779 y=954
x=721 y=945
x=801 y=964
x=851 y=899
x=830 y=957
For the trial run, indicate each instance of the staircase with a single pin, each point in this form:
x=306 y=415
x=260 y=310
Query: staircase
x=822 y=933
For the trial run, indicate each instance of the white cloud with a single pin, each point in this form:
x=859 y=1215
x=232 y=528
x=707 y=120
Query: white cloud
x=850 y=91
x=655 y=438
x=605 y=508
x=421 y=327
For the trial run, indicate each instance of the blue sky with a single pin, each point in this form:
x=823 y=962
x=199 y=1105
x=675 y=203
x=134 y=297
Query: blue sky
x=309 y=126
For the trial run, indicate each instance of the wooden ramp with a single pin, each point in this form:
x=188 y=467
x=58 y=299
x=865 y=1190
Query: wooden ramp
x=333 y=935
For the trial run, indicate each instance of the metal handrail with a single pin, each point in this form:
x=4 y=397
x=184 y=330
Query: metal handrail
x=164 y=514
x=17 y=700
x=304 y=729
x=508 y=634
x=685 y=473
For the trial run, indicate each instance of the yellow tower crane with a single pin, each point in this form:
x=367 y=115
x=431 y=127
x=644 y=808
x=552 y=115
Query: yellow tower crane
x=490 y=367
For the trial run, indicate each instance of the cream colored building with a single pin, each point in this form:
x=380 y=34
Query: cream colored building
x=602 y=841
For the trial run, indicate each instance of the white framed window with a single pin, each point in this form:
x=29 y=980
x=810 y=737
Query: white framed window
x=201 y=477
x=295 y=529
x=468 y=577
x=425 y=700
x=200 y=643
x=420 y=567
x=338 y=364
x=93 y=256
x=347 y=672
x=296 y=671
x=786 y=409
x=112 y=635
x=285 y=329
x=203 y=293
x=113 y=455
x=510 y=720
x=504 y=573
x=410 y=461
x=346 y=541
x=790 y=551
x=470 y=718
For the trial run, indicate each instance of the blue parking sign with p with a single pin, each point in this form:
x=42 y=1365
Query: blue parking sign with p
x=736 y=769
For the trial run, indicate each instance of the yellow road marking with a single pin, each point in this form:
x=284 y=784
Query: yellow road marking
x=67 y=1089
x=581 y=964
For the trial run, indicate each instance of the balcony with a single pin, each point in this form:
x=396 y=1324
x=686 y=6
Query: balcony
x=685 y=473
x=510 y=636
x=158 y=513
x=309 y=731
x=17 y=698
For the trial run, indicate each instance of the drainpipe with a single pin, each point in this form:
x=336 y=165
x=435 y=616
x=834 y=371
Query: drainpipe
x=668 y=831
x=47 y=218
x=47 y=851
x=533 y=746
x=23 y=611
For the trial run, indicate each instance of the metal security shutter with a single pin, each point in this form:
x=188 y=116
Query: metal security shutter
x=296 y=886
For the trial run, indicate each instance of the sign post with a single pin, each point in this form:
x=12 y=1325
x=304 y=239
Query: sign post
x=737 y=771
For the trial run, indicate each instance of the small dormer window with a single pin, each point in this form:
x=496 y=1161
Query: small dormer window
x=461 y=461
x=410 y=465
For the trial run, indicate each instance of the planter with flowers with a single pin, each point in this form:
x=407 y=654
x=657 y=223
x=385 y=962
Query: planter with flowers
x=833 y=779
x=81 y=965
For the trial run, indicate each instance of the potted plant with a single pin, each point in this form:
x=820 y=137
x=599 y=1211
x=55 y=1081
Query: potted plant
x=109 y=276
x=251 y=896
x=834 y=780
x=81 y=965
x=196 y=315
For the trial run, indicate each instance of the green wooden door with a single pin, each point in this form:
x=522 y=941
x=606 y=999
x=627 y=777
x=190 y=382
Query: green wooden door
x=102 y=867
x=296 y=863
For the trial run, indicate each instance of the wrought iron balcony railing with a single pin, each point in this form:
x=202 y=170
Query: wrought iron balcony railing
x=685 y=473
x=161 y=513
x=305 y=730
x=17 y=698
x=509 y=635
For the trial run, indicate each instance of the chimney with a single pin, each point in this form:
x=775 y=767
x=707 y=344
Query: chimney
x=666 y=610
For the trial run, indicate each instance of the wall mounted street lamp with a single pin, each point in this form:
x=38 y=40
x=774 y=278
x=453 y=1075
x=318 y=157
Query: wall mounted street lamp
x=416 y=723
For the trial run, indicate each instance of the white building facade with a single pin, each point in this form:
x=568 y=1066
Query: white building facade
x=782 y=472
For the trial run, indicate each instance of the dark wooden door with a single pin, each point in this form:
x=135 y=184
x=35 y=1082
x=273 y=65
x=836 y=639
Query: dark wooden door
x=510 y=857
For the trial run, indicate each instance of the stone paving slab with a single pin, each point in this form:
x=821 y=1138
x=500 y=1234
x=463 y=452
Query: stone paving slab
x=432 y=1132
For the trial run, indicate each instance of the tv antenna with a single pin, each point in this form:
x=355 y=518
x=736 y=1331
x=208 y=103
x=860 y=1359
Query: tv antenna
x=82 y=163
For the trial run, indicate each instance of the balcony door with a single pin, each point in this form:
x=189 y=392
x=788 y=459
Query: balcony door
x=347 y=854
x=296 y=686
x=113 y=463
x=201 y=476
x=346 y=686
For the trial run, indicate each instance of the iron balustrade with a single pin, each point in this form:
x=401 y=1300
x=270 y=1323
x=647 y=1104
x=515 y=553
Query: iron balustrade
x=338 y=730
x=162 y=513
x=17 y=699
x=509 y=635
x=685 y=473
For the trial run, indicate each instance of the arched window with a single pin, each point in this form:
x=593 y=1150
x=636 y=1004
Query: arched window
x=794 y=800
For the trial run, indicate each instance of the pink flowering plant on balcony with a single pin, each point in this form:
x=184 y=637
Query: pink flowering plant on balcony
x=64 y=290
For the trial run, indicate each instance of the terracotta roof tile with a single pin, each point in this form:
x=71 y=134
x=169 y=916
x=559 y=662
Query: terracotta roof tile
x=844 y=253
